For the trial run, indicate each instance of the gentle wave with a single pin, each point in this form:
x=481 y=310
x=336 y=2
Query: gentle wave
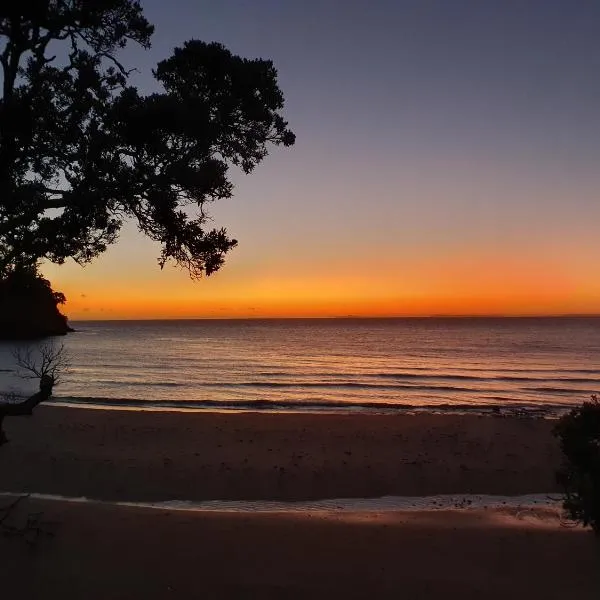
x=414 y=384
x=127 y=382
x=555 y=390
x=552 y=379
x=331 y=364
x=338 y=381
x=340 y=385
x=491 y=378
x=509 y=408
x=366 y=386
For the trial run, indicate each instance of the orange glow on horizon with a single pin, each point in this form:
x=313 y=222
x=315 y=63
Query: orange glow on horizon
x=462 y=284
x=399 y=308
x=313 y=299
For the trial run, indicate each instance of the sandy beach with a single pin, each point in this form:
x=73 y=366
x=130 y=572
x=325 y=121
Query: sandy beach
x=151 y=456
x=110 y=551
x=100 y=552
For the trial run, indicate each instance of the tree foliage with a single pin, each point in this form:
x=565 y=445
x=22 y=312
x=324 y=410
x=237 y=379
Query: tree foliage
x=81 y=150
x=579 y=436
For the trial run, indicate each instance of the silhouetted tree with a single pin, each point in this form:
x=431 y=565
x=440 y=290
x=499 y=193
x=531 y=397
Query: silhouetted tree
x=81 y=150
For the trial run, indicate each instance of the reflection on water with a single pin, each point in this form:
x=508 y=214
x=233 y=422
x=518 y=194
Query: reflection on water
x=363 y=363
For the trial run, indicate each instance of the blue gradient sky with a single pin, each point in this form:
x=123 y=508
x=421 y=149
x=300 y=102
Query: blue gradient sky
x=447 y=161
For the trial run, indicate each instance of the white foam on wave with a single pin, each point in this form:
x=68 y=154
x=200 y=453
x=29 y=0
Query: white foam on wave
x=375 y=505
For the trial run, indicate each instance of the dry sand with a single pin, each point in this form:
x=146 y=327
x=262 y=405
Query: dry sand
x=105 y=551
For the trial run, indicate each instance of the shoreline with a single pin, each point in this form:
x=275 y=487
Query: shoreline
x=551 y=502
x=511 y=409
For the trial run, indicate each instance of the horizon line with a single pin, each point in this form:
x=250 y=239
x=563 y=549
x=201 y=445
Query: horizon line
x=356 y=317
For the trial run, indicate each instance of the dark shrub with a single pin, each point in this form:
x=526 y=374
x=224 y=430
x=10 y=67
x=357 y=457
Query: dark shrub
x=579 y=436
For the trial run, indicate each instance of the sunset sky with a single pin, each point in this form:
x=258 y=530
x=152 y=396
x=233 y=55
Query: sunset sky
x=447 y=162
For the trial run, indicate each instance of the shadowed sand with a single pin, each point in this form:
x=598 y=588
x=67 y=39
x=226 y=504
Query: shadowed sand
x=154 y=456
x=102 y=551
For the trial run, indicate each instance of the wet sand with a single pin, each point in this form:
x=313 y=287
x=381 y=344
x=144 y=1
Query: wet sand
x=152 y=456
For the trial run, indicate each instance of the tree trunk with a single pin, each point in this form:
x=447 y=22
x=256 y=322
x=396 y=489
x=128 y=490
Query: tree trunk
x=26 y=407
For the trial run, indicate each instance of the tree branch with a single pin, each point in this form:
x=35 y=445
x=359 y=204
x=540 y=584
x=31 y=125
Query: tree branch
x=48 y=366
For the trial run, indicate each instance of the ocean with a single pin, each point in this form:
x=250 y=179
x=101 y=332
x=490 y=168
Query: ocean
x=537 y=365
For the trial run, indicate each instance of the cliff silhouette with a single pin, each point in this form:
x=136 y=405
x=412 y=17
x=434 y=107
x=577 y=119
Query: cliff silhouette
x=29 y=306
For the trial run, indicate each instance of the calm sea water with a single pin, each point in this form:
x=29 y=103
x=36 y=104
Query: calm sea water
x=332 y=364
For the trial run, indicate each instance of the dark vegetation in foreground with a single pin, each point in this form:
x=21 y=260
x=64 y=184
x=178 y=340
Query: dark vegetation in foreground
x=579 y=435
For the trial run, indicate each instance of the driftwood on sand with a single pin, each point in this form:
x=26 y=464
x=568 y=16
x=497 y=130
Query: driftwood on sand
x=46 y=363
